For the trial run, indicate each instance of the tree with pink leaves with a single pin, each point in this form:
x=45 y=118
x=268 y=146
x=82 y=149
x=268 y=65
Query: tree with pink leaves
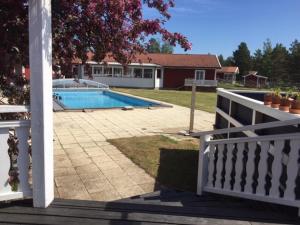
x=115 y=27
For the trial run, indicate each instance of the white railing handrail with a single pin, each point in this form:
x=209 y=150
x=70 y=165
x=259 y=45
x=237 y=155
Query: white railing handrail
x=14 y=108
x=72 y=81
x=258 y=138
x=15 y=123
x=249 y=127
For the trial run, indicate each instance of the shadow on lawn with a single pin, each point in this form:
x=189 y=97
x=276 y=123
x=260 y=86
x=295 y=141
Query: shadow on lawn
x=178 y=169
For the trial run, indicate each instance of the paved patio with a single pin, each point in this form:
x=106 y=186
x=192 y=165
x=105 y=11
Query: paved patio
x=88 y=167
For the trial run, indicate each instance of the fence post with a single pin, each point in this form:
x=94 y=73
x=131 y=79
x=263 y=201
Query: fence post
x=40 y=54
x=203 y=163
x=192 y=113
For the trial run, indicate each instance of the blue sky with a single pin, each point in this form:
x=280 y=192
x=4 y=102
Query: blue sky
x=218 y=26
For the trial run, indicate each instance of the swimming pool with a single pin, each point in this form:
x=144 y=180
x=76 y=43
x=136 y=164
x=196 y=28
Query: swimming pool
x=83 y=99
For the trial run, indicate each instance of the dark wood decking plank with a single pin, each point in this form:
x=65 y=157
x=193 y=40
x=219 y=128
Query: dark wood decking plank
x=220 y=211
x=151 y=213
x=114 y=216
x=60 y=220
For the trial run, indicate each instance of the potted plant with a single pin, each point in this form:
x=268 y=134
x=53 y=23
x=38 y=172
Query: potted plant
x=295 y=105
x=268 y=99
x=276 y=97
x=285 y=101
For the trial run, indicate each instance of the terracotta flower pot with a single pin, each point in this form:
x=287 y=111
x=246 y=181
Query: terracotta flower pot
x=275 y=101
x=295 y=107
x=268 y=99
x=285 y=104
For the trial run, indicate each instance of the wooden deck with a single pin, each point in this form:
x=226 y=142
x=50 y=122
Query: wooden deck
x=163 y=207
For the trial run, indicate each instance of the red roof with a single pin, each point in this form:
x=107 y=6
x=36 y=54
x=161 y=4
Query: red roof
x=171 y=60
x=229 y=69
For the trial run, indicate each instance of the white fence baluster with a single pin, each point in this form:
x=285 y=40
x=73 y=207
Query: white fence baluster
x=292 y=170
x=212 y=149
x=239 y=167
x=276 y=168
x=262 y=168
x=23 y=160
x=5 y=164
x=219 y=166
x=228 y=167
x=250 y=167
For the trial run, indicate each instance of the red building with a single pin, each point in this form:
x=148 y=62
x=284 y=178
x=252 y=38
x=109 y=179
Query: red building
x=227 y=74
x=170 y=71
x=255 y=80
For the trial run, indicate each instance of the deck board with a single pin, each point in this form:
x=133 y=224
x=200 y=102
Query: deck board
x=164 y=207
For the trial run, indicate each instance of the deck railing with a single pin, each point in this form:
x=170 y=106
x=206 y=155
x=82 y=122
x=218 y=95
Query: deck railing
x=264 y=168
x=14 y=155
x=208 y=83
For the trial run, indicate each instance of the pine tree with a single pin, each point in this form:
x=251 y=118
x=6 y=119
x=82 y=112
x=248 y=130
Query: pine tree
x=153 y=46
x=294 y=61
x=280 y=56
x=242 y=58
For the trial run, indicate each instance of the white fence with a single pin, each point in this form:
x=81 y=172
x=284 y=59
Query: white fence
x=204 y=83
x=126 y=81
x=14 y=156
x=80 y=83
x=263 y=168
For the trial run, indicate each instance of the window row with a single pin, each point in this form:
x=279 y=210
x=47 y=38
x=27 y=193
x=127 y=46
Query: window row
x=120 y=72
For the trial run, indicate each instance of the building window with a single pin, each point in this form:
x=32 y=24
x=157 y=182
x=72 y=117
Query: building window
x=75 y=70
x=107 y=71
x=227 y=77
x=200 y=75
x=137 y=73
x=97 y=70
x=118 y=72
x=87 y=70
x=158 y=73
x=148 y=73
x=128 y=72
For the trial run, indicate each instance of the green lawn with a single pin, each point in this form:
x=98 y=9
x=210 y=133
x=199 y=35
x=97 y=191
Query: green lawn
x=204 y=101
x=173 y=164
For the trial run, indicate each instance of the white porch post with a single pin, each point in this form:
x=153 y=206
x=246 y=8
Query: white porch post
x=40 y=52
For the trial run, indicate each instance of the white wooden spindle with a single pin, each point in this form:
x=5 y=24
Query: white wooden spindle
x=219 y=166
x=5 y=164
x=228 y=167
x=292 y=170
x=23 y=160
x=276 y=168
x=250 y=167
x=212 y=149
x=203 y=163
x=262 y=168
x=239 y=167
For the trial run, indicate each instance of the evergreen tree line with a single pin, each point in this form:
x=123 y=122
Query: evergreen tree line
x=279 y=63
x=155 y=46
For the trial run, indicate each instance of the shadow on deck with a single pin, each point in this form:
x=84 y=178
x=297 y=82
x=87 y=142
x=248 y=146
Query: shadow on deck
x=162 y=207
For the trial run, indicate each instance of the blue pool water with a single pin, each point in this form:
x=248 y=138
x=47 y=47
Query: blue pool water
x=97 y=100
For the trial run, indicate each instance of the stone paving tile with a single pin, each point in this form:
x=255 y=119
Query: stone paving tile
x=107 y=195
x=97 y=185
x=130 y=191
x=92 y=176
x=68 y=181
x=107 y=165
x=113 y=172
x=149 y=187
x=88 y=167
x=81 y=161
x=64 y=171
x=72 y=193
